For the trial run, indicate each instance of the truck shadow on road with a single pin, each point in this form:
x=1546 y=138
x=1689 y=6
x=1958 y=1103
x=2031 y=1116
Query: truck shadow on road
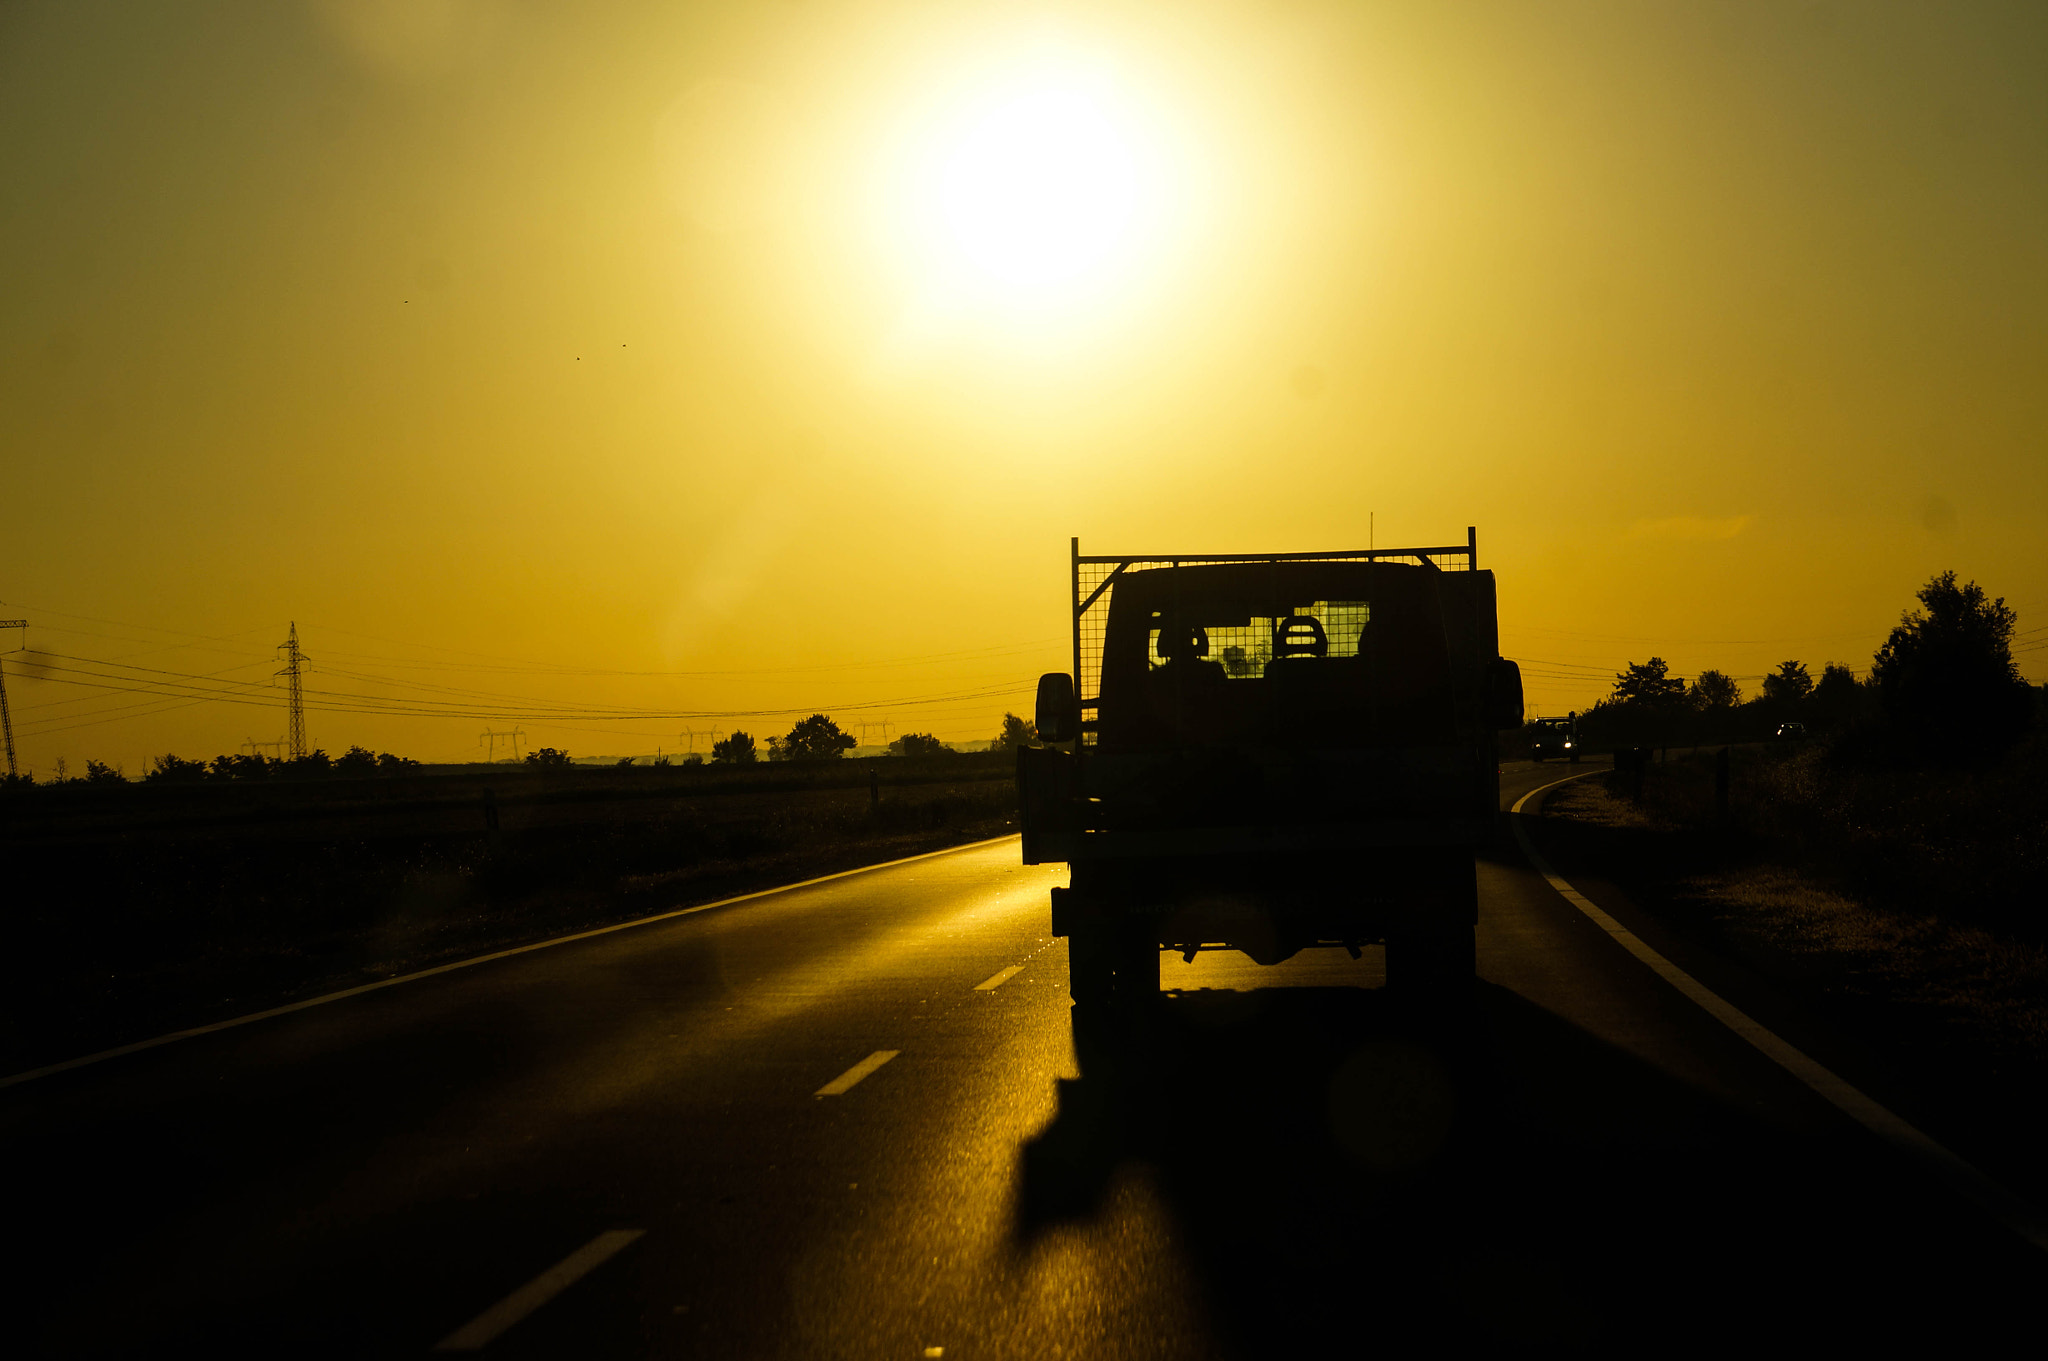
x=1342 y=1173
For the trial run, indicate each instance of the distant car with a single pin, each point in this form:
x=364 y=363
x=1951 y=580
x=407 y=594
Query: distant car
x=1791 y=731
x=1554 y=737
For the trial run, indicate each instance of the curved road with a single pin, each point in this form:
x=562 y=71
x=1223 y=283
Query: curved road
x=617 y=1147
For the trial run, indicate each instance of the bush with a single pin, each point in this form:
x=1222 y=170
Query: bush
x=919 y=744
x=547 y=757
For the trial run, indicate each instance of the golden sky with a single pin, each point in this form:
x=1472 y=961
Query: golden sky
x=692 y=358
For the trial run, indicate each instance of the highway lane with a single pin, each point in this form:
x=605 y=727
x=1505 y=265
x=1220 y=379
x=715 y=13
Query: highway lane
x=1304 y=1167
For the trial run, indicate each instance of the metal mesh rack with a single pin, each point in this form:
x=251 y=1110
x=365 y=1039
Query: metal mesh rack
x=1094 y=575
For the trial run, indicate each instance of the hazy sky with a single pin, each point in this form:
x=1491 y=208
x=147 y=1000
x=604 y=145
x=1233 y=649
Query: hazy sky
x=736 y=356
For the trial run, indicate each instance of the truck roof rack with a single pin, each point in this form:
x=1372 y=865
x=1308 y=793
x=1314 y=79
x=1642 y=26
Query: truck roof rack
x=1093 y=574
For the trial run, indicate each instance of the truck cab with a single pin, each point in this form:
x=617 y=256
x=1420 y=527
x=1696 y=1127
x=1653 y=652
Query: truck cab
x=1269 y=754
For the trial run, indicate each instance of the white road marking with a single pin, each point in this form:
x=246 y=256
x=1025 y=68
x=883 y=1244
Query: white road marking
x=156 y=1041
x=479 y=1331
x=997 y=979
x=844 y=1082
x=1958 y=1175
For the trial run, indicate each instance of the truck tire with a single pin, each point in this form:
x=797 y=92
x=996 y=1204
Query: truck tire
x=1436 y=964
x=1113 y=976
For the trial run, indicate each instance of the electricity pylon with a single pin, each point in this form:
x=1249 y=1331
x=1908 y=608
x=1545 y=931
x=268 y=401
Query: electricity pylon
x=491 y=756
x=6 y=719
x=690 y=736
x=868 y=725
x=276 y=749
x=295 y=731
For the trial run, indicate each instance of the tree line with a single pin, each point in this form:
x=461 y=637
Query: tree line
x=1944 y=683
x=817 y=738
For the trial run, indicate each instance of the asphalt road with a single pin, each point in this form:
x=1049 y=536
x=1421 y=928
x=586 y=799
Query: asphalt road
x=1306 y=1169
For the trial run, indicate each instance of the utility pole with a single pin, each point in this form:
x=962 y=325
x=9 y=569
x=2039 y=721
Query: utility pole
x=7 y=719
x=295 y=733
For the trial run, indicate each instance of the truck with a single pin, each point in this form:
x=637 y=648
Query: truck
x=1268 y=753
x=1554 y=737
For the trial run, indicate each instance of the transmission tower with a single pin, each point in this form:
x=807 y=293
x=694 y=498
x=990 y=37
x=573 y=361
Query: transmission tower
x=491 y=756
x=6 y=719
x=295 y=733
x=690 y=736
x=276 y=749
x=866 y=726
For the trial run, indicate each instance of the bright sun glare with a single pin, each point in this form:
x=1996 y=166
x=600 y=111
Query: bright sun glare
x=1046 y=190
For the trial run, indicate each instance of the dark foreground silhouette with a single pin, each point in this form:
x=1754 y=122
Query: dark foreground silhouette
x=1348 y=1177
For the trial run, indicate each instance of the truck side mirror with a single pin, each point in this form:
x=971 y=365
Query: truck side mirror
x=1503 y=694
x=1059 y=711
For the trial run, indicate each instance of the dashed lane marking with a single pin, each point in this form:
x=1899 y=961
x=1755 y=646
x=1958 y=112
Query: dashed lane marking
x=1947 y=1168
x=845 y=1081
x=479 y=1331
x=159 y=1040
x=998 y=978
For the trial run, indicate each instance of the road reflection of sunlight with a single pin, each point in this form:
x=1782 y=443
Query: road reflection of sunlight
x=1309 y=969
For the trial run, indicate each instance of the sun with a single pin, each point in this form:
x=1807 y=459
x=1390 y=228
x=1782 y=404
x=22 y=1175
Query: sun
x=1044 y=188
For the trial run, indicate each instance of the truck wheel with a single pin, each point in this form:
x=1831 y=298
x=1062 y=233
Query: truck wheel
x=1435 y=964
x=1113 y=975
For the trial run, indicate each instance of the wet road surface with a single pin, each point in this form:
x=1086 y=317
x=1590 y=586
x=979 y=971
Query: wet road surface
x=842 y=1121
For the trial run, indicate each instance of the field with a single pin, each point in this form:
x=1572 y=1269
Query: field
x=133 y=909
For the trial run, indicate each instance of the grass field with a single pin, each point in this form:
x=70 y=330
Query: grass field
x=134 y=909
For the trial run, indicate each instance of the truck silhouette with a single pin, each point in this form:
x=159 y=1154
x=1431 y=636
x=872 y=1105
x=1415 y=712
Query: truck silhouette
x=1268 y=753
x=1550 y=737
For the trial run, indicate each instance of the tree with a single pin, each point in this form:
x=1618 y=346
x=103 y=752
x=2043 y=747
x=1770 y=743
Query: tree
x=1788 y=685
x=391 y=765
x=546 y=757
x=1649 y=685
x=1016 y=732
x=1946 y=673
x=169 y=769
x=1837 y=696
x=356 y=761
x=694 y=759
x=736 y=750
x=816 y=738
x=623 y=762
x=919 y=744
x=95 y=773
x=1715 y=690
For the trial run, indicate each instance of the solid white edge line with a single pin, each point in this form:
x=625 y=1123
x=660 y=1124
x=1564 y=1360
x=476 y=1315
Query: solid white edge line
x=846 y=1080
x=479 y=1331
x=1958 y=1175
x=47 y=1070
x=998 y=978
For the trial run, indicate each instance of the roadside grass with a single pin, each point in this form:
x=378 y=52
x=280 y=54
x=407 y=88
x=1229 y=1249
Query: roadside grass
x=124 y=921
x=1963 y=983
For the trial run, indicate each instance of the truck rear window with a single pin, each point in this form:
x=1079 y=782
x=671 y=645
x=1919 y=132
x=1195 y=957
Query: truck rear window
x=1323 y=654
